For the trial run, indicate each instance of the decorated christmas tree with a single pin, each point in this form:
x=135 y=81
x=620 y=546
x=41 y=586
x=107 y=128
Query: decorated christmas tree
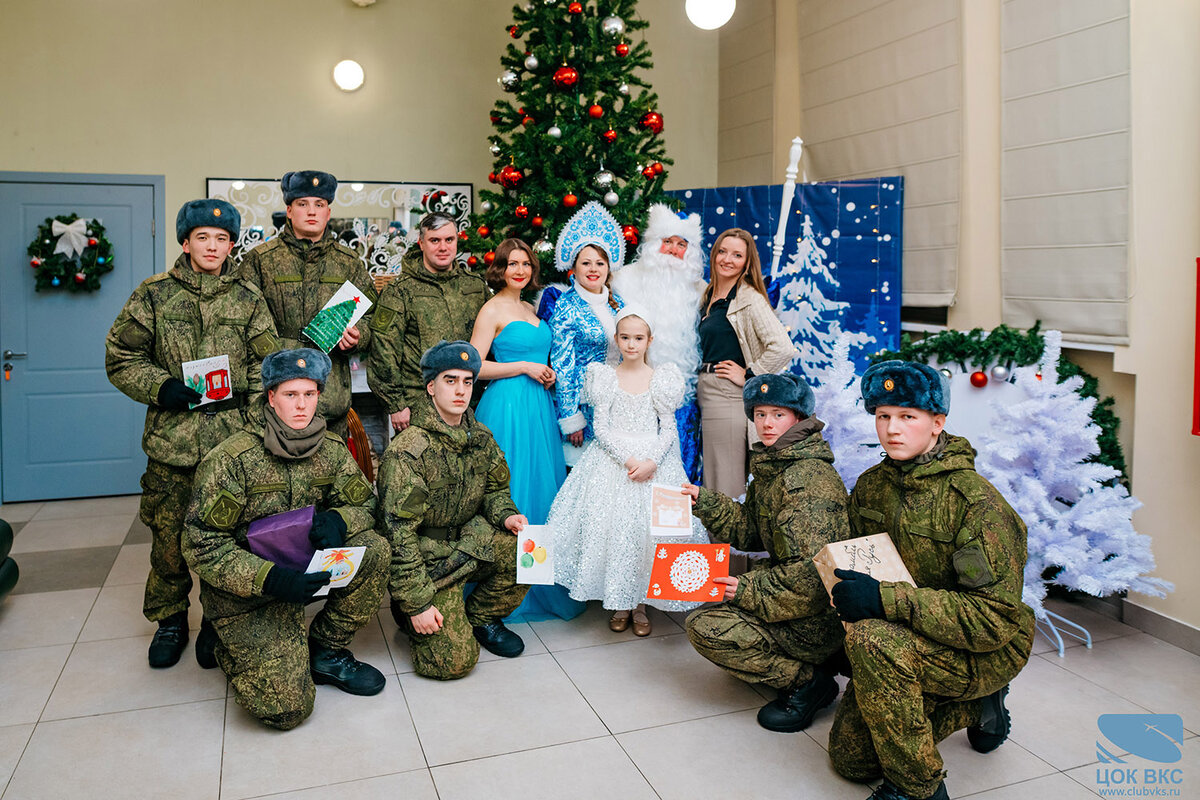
x=578 y=123
x=329 y=324
x=849 y=430
x=812 y=319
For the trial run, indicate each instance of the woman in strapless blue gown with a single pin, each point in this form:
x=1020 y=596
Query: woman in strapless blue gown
x=518 y=407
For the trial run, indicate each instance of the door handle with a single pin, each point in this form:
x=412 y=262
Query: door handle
x=9 y=354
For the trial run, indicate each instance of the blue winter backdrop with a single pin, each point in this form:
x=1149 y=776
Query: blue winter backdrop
x=840 y=270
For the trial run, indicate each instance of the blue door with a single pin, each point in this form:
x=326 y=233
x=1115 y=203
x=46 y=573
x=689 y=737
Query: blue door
x=64 y=430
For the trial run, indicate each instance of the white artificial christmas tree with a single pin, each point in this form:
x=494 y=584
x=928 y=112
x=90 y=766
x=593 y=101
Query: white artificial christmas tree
x=1079 y=518
x=849 y=430
x=813 y=320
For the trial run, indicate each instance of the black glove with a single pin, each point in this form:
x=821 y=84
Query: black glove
x=856 y=596
x=177 y=396
x=292 y=586
x=328 y=530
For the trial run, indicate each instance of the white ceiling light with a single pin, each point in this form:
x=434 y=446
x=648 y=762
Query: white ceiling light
x=348 y=75
x=358 y=187
x=709 y=14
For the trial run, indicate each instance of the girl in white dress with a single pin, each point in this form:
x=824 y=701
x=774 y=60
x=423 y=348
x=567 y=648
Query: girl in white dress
x=601 y=516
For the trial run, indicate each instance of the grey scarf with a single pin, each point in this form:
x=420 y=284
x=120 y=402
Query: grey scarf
x=285 y=442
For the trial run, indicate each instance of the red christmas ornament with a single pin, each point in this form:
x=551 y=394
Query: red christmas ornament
x=489 y=257
x=595 y=111
x=511 y=177
x=521 y=212
x=609 y=136
x=622 y=49
x=657 y=167
x=536 y=222
x=91 y=242
x=570 y=200
x=1037 y=375
x=565 y=77
x=652 y=121
x=575 y=8
x=472 y=261
x=492 y=178
x=80 y=277
x=494 y=118
x=484 y=230
x=514 y=32
x=648 y=172
x=527 y=121
x=35 y=262
x=979 y=379
x=630 y=232
x=462 y=236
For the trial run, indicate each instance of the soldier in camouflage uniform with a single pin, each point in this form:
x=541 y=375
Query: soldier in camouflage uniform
x=776 y=625
x=256 y=606
x=936 y=657
x=432 y=300
x=445 y=507
x=197 y=309
x=300 y=270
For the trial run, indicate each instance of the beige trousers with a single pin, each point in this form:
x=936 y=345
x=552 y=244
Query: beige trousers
x=724 y=431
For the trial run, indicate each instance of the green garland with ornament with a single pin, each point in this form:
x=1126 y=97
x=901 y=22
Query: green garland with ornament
x=1003 y=348
x=70 y=252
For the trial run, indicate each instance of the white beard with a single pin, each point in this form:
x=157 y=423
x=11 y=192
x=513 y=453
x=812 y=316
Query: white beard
x=669 y=290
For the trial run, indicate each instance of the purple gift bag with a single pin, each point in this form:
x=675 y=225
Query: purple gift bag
x=283 y=538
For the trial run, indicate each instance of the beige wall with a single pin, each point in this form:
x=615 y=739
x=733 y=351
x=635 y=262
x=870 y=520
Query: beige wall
x=229 y=88
x=746 y=98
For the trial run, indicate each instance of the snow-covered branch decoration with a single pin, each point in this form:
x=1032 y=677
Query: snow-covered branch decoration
x=849 y=430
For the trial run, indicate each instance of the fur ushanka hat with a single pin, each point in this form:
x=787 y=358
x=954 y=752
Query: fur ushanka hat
x=449 y=355
x=906 y=384
x=286 y=365
x=207 y=213
x=783 y=390
x=308 y=183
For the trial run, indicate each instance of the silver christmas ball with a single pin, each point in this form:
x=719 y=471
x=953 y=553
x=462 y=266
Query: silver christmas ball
x=947 y=373
x=543 y=247
x=495 y=149
x=623 y=89
x=554 y=132
x=603 y=179
x=611 y=199
x=612 y=26
x=486 y=206
x=508 y=80
x=531 y=62
x=1000 y=372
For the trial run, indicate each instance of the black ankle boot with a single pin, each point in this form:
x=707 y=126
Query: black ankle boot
x=795 y=708
x=206 y=645
x=994 y=723
x=169 y=641
x=499 y=640
x=889 y=791
x=341 y=669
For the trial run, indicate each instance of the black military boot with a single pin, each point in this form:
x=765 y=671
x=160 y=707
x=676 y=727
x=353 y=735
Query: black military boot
x=206 y=645
x=341 y=669
x=795 y=708
x=399 y=616
x=889 y=791
x=169 y=641
x=499 y=640
x=994 y=723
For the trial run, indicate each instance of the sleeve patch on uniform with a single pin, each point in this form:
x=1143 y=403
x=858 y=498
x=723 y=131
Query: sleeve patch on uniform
x=134 y=334
x=357 y=490
x=264 y=344
x=500 y=473
x=971 y=564
x=223 y=511
x=414 y=503
x=383 y=318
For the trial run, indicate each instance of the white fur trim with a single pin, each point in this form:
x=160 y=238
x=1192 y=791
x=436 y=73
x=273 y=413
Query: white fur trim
x=572 y=424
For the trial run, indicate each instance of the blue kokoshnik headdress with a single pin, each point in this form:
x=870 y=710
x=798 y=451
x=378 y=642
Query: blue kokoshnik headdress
x=591 y=224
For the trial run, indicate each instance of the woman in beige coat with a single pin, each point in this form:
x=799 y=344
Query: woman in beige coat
x=740 y=336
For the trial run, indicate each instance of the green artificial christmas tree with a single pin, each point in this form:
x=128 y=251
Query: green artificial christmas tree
x=581 y=125
x=329 y=324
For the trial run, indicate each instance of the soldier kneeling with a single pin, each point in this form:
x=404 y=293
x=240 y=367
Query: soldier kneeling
x=444 y=505
x=936 y=657
x=776 y=626
x=257 y=607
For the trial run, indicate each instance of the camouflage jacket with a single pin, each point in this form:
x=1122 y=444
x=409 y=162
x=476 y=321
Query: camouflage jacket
x=298 y=278
x=183 y=315
x=415 y=312
x=239 y=482
x=795 y=505
x=440 y=480
x=962 y=542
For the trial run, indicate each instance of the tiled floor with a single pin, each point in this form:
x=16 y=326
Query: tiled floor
x=583 y=713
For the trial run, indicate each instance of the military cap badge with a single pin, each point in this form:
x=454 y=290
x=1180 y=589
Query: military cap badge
x=889 y=384
x=300 y=362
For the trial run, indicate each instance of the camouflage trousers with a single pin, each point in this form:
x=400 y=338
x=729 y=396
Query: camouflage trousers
x=907 y=694
x=452 y=652
x=166 y=492
x=750 y=649
x=264 y=651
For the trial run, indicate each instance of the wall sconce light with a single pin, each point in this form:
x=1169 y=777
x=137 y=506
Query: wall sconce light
x=348 y=75
x=709 y=14
x=358 y=187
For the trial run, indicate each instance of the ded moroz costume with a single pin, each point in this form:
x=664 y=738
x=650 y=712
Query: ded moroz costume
x=184 y=315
